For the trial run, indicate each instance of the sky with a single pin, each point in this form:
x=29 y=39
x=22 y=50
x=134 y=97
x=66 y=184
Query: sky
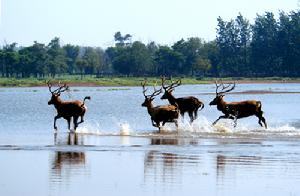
x=94 y=22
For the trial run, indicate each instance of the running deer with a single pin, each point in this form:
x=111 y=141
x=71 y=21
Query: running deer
x=67 y=109
x=236 y=110
x=185 y=104
x=163 y=113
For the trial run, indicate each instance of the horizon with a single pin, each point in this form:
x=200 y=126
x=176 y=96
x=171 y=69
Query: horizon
x=94 y=23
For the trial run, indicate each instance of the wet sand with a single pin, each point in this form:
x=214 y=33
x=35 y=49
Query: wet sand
x=81 y=164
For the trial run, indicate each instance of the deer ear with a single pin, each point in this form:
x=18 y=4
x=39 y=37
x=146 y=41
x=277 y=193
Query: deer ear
x=151 y=99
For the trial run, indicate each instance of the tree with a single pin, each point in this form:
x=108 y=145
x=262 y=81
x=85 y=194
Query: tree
x=93 y=60
x=57 y=60
x=102 y=61
x=71 y=53
x=168 y=61
x=121 y=61
x=211 y=52
x=10 y=59
x=81 y=64
x=244 y=37
x=190 y=52
x=202 y=65
x=122 y=40
x=142 y=61
x=264 y=53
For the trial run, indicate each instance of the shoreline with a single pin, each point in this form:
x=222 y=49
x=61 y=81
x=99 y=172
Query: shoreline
x=133 y=81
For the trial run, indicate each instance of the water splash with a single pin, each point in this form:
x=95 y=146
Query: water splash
x=201 y=127
x=90 y=128
x=125 y=129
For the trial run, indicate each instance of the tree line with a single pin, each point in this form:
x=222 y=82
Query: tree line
x=268 y=47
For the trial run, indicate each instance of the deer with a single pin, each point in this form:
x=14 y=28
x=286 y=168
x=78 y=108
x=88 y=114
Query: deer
x=67 y=109
x=236 y=110
x=162 y=113
x=185 y=104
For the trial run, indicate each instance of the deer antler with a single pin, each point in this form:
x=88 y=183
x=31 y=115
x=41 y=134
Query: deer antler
x=172 y=86
x=49 y=86
x=155 y=93
x=225 y=88
x=61 y=88
x=217 y=87
x=144 y=89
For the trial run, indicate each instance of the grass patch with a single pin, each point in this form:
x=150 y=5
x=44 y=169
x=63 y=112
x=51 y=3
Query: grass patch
x=74 y=80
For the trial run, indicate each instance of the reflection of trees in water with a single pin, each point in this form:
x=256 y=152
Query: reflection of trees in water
x=166 y=166
x=67 y=162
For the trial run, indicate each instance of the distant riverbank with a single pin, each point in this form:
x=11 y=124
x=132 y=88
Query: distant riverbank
x=129 y=81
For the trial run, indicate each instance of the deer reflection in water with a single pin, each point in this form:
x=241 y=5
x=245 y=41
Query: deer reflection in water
x=164 y=166
x=231 y=163
x=67 y=162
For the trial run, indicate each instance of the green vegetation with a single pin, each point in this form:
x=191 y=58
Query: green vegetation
x=114 y=82
x=268 y=48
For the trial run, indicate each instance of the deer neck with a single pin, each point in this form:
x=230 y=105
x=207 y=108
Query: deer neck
x=222 y=105
x=150 y=108
x=171 y=99
x=58 y=102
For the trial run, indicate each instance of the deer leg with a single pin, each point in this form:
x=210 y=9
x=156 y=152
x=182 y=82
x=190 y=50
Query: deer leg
x=176 y=123
x=182 y=114
x=191 y=117
x=234 y=121
x=234 y=118
x=69 y=123
x=55 y=138
x=55 y=118
x=158 y=125
x=261 y=118
x=154 y=124
x=220 y=117
x=195 y=114
x=75 y=119
x=264 y=121
x=81 y=120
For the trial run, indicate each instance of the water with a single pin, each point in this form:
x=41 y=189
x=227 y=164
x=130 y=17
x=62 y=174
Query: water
x=117 y=151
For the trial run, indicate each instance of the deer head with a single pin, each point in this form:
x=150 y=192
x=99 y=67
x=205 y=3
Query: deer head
x=56 y=93
x=149 y=98
x=169 y=88
x=221 y=93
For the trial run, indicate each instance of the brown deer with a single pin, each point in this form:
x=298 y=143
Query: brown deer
x=236 y=110
x=67 y=109
x=185 y=104
x=163 y=113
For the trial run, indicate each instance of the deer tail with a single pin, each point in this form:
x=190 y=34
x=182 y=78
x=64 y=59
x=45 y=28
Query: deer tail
x=87 y=97
x=259 y=107
x=201 y=106
x=259 y=104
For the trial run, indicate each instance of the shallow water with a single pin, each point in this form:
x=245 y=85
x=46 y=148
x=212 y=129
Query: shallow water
x=100 y=160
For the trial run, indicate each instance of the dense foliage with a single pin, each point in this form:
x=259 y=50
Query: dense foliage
x=269 y=47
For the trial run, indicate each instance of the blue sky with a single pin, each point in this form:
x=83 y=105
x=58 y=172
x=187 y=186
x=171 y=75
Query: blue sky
x=94 y=22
